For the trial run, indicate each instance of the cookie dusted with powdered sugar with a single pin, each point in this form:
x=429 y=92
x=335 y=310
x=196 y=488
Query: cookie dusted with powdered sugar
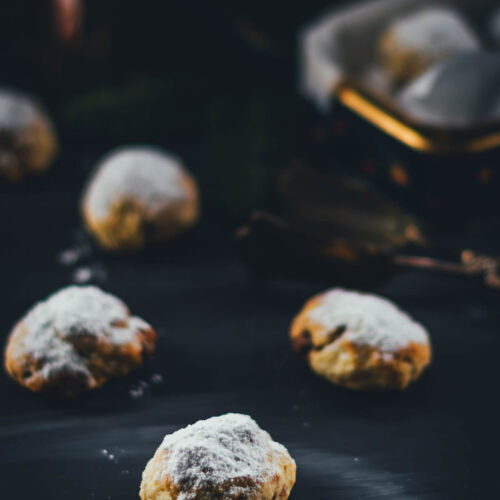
x=360 y=341
x=227 y=457
x=138 y=195
x=27 y=139
x=411 y=44
x=75 y=340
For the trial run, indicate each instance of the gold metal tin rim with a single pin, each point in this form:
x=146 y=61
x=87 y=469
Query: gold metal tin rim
x=423 y=139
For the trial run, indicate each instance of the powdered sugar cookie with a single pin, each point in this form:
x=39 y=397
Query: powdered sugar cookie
x=360 y=341
x=137 y=195
x=412 y=43
x=228 y=457
x=27 y=138
x=75 y=340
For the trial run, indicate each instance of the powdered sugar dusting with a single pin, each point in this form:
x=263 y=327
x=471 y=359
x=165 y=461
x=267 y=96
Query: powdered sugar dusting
x=16 y=110
x=231 y=451
x=92 y=273
x=55 y=324
x=434 y=31
x=368 y=320
x=144 y=173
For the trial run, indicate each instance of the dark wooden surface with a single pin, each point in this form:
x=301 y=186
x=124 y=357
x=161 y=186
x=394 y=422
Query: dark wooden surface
x=223 y=346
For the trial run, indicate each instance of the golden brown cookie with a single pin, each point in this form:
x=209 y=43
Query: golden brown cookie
x=228 y=457
x=27 y=139
x=411 y=44
x=138 y=195
x=360 y=341
x=75 y=340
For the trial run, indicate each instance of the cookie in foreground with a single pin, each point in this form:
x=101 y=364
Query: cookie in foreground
x=28 y=142
x=138 y=195
x=360 y=341
x=76 y=340
x=227 y=457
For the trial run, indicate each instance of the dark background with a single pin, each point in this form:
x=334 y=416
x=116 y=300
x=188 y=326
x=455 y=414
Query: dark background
x=217 y=85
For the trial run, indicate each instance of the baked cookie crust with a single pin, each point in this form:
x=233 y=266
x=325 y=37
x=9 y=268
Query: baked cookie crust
x=360 y=341
x=76 y=340
x=139 y=195
x=227 y=457
x=28 y=141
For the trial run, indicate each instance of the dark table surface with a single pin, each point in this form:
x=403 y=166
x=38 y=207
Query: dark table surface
x=223 y=347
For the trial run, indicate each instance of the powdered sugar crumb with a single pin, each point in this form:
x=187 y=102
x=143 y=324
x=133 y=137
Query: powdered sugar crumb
x=368 y=320
x=138 y=390
x=143 y=173
x=230 y=449
x=54 y=325
x=86 y=274
x=73 y=255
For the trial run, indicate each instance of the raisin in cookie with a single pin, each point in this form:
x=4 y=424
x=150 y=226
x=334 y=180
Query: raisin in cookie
x=228 y=457
x=137 y=195
x=412 y=43
x=75 y=340
x=360 y=341
x=27 y=139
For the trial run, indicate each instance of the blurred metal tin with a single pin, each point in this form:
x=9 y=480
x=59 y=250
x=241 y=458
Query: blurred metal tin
x=448 y=173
